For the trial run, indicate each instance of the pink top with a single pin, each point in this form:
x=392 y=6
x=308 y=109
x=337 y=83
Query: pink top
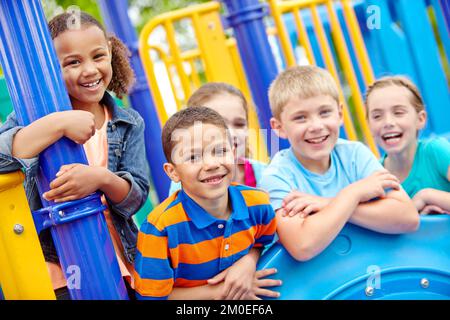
x=249 y=174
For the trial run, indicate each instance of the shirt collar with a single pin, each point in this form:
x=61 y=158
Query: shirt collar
x=117 y=114
x=202 y=219
x=322 y=176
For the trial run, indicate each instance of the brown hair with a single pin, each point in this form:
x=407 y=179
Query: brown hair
x=300 y=81
x=123 y=75
x=184 y=119
x=400 y=81
x=209 y=90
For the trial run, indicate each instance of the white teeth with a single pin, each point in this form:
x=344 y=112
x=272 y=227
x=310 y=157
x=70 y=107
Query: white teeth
x=92 y=84
x=317 y=140
x=213 y=179
x=391 y=135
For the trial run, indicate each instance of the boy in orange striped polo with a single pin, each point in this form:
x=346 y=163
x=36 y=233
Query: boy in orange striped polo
x=204 y=241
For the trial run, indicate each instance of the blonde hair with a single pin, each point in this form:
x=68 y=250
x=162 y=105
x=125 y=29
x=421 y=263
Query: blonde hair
x=400 y=81
x=303 y=82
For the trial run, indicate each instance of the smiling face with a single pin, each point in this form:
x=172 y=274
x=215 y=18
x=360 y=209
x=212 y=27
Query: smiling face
x=203 y=160
x=312 y=127
x=393 y=120
x=85 y=57
x=231 y=108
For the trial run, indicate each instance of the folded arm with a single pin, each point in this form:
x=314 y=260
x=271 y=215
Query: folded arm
x=31 y=140
x=432 y=197
x=392 y=214
x=305 y=238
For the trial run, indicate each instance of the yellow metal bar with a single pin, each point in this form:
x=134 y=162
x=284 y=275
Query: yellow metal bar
x=219 y=57
x=183 y=13
x=255 y=139
x=191 y=54
x=194 y=75
x=357 y=39
x=178 y=62
x=23 y=272
x=349 y=72
x=144 y=52
x=168 y=62
x=282 y=34
x=285 y=6
x=303 y=36
x=213 y=47
x=329 y=62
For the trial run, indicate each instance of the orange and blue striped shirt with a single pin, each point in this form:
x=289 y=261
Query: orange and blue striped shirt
x=182 y=245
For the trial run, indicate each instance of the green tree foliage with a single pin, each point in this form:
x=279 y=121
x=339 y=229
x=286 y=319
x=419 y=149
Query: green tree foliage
x=140 y=10
x=148 y=9
x=54 y=7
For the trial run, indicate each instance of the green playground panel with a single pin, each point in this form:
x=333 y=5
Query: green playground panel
x=5 y=102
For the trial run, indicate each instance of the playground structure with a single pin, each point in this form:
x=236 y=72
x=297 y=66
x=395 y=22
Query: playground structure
x=331 y=34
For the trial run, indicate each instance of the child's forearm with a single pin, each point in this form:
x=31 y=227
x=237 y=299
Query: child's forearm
x=254 y=254
x=204 y=292
x=34 y=138
x=436 y=197
x=394 y=214
x=114 y=187
x=306 y=238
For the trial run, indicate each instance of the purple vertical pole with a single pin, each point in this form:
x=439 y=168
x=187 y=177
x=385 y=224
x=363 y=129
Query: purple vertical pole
x=115 y=15
x=445 y=5
x=246 y=18
x=36 y=87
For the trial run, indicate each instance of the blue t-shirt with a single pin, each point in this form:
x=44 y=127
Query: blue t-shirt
x=350 y=161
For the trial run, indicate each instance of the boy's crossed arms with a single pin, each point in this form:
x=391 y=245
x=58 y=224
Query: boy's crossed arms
x=365 y=203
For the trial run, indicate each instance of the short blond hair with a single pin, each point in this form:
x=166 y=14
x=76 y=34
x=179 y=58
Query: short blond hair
x=303 y=82
x=399 y=81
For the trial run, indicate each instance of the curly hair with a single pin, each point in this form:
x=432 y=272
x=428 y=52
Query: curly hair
x=123 y=75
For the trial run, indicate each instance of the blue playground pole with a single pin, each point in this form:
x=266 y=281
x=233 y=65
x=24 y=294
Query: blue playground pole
x=246 y=18
x=445 y=5
x=425 y=53
x=115 y=15
x=36 y=88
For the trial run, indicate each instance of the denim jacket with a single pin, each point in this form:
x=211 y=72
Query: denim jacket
x=126 y=158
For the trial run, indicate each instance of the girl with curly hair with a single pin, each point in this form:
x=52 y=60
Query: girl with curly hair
x=92 y=63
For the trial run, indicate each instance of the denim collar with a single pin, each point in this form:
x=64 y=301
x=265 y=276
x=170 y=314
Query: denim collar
x=117 y=114
x=202 y=219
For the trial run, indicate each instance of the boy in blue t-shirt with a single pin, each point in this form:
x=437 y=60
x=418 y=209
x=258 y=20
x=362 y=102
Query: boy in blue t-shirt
x=322 y=182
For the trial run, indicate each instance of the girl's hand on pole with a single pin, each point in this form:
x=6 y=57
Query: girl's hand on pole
x=75 y=181
x=77 y=125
